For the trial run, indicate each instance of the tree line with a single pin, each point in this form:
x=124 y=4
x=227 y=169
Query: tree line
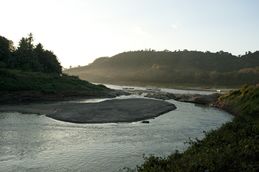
x=27 y=56
x=167 y=68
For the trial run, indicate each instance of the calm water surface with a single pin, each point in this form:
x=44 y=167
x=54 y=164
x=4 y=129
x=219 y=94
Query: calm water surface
x=37 y=143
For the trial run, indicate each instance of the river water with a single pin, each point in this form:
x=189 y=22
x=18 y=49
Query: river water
x=29 y=142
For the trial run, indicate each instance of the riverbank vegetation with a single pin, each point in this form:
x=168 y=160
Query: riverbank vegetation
x=233 y=147
x=29 y=72
x=17 y=80
x=173 y=69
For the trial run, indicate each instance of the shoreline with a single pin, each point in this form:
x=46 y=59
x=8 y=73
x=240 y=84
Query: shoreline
x=27 y=97
x=109 y=111
x=235 y=141
x=190 y=88
x=63 y=109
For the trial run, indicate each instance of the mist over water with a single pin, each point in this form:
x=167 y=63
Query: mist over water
x=37 y=143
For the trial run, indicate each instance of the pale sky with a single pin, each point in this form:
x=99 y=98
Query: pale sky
x=78 y=31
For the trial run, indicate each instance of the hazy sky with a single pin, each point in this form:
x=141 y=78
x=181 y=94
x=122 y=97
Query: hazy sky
x=78 y=31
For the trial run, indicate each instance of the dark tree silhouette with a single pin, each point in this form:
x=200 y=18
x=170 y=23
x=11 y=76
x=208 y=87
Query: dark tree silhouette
x=27 y=57
x=6 y=47
x=48 y=60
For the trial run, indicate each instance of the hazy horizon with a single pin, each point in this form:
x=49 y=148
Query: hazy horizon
x=80 y=31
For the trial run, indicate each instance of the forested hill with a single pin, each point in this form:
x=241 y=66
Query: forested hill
x=179 y=68
x=31 y=73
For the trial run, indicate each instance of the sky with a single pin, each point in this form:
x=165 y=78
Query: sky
x=79 y=31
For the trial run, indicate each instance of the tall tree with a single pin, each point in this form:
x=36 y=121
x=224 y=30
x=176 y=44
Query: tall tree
x=25 y=58
x=28 y=57
x=6 y=47
x=47 y=60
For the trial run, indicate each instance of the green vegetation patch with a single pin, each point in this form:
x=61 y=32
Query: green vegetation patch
x=233 y=147
x=16 y=80
x=32 y=69
x=244 y=100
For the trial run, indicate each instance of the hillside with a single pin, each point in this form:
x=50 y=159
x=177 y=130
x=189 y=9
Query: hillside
x=179 y=68
x=31 y=73
x=23 y=87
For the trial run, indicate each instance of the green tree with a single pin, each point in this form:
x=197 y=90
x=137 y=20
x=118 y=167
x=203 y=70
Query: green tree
x=47 y=60
x=6 y=47
x=25 y=58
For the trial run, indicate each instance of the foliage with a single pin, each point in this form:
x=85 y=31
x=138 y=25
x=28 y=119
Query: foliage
x=245 y=100
x=48 y=60
x=32 y=68
x=16 y=80
x=165 y=68
x=27 y=57
x=6 y=47
x=233 y=147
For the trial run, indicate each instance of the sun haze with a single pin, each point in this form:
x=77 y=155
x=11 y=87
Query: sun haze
x=78 y=31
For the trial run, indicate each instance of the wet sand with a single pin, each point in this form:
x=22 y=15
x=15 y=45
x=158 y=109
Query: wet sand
x=109 y=111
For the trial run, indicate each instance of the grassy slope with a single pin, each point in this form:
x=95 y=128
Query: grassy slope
x=233 y=147
x=34 y=84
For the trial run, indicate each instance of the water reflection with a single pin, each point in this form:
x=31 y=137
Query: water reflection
x=38 y=143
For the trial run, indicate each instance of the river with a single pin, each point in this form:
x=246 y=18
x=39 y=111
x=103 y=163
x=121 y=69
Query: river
x=30 y=142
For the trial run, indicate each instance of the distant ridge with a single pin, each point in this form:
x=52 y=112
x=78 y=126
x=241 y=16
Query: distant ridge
x=178 y=68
